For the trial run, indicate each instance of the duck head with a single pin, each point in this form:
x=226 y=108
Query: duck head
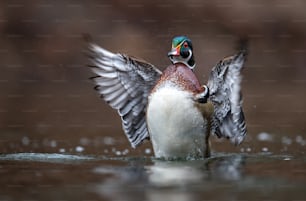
x=182 y=51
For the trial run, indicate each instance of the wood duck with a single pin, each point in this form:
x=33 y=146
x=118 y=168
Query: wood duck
x=171 y=108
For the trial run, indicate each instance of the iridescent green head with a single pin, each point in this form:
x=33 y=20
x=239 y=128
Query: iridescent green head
x=182 y=51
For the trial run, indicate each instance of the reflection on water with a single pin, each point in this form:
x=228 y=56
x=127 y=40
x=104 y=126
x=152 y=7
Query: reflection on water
x=168 y=180
x=218 y=178
x=183 y=173
x=221 y=177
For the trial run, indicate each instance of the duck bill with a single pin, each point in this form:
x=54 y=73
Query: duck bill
x=174 y=52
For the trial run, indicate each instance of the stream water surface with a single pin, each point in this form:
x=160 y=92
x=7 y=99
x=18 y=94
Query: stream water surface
x=40 y=176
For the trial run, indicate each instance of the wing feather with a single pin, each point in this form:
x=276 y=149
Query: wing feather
x=129 y=105
x=124 y=83
x=225 y=93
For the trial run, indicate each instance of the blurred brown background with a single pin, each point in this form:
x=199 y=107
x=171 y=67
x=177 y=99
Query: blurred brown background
x=47 y=103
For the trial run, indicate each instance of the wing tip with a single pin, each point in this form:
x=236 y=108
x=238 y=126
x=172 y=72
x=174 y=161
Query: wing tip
x=91 y=45
x=243 y=46
x=238 y=139
x=89 y=41
x=134 y=145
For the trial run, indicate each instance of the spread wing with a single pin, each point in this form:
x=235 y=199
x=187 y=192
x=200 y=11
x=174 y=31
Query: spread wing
x=225 y=94
x=124 y=83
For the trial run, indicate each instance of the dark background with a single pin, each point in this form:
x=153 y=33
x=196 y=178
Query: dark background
x=47 y=103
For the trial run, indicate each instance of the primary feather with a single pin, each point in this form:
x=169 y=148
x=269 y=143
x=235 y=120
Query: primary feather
x=125 y=83
x=225 y=93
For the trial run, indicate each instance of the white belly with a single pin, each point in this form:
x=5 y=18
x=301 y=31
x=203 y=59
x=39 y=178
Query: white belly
x=176 y=126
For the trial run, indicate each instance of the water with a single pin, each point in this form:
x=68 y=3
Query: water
x=38 y=176
x=47 y=104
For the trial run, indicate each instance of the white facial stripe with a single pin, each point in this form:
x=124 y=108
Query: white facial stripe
x=179 y=59
x=179 y=44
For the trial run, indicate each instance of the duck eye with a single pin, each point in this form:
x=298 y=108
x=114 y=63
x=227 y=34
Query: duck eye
x=185 y=44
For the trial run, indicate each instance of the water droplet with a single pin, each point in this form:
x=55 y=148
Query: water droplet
x=118 y=153
x=84 y=141
x=147 y=151
x=109 y=141
x=263 y=136
x=299 y=139
x=265 y=149
x=62 y=150
x=248 y=149
x=286 y=140
x=125 y=152
x=53 y=143
x=25 y=141
x=79 y=149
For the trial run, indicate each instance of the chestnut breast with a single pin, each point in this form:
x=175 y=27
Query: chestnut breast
x=182 y=76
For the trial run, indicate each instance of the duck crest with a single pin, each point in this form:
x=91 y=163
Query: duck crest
x=182 y=76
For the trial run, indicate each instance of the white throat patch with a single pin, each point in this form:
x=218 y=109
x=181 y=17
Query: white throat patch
x=179 y=59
